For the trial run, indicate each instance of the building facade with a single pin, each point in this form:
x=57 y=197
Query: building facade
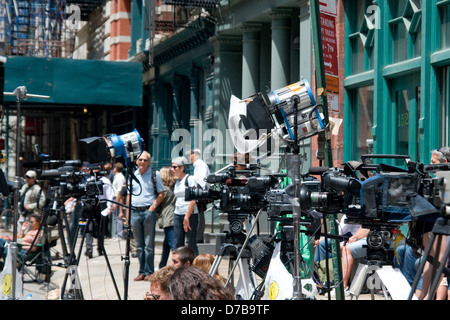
x=238 y=48
x=397 y=57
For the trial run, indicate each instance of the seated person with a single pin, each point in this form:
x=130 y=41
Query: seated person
x=352 y=247
x=25 y=240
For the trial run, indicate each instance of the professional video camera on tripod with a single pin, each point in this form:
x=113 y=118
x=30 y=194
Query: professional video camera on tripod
x=89 y=188
x=440 y=231
x=379 y=197
x=242 y=199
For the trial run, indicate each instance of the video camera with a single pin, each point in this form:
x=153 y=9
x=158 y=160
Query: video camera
x=368 y=192
x=67 y=181
x=239 y=197
x=380 y=197
x=244 y=194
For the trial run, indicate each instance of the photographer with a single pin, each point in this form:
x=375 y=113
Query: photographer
x=186 y=212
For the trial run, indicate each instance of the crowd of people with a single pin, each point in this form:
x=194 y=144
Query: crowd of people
x=156 y=198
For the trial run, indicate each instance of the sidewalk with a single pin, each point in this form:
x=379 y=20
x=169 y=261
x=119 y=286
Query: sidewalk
x=97 y=283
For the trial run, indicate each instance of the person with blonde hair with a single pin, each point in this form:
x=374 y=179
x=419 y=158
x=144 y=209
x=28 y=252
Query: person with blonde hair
x=159 y=280
x=205 y=261
x=165 y=214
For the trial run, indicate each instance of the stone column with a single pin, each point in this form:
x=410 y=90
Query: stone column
x=280 y=62
x=251 y=50
x=194 y=121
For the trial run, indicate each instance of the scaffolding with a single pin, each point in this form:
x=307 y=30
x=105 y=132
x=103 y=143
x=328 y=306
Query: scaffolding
x=36 y=28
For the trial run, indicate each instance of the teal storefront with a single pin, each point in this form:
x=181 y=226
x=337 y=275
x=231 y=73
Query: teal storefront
x=397 y=83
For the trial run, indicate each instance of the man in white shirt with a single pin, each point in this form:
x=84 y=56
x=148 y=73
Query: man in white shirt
x=117 y=185
x=201 y=172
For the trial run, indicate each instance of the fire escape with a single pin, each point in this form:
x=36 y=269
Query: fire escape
x=182 y=14
x=42 y=28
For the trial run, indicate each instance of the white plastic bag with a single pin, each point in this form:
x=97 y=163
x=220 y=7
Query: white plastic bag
x=279 y=284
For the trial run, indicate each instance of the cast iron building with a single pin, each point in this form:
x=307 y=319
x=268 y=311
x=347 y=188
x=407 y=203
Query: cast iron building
x=220 y=49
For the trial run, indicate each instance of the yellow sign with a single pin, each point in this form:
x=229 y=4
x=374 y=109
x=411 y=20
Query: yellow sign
x=7 y=285
x=332 y=83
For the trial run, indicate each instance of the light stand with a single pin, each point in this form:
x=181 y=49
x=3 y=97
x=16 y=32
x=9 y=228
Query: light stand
x=20 y=93
x=293 y=163
x=126 y=258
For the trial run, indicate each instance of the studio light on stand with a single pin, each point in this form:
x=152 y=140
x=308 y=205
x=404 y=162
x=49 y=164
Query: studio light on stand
x=127 y=147
x=21 y=93
x=290 y=114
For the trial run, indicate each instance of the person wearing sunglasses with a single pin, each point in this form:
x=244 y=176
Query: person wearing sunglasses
x=147 y=194
x=186 y=212
x=158 y=284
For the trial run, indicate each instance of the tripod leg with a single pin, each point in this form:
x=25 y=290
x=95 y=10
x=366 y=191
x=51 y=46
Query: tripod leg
x=73 y=261
x=102 y=248
x=438 y=274
x=215 y=265
x=421 y=266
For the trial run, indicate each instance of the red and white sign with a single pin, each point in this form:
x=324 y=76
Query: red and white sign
x=328 y=13
x=330 y=51
x=328 y=6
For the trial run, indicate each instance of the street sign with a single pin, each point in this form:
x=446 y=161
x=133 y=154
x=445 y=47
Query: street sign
x=330 y=51
x=328 y=6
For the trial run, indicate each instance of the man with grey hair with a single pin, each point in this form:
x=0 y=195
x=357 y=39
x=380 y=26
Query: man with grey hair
x=201 y=172
x=440 y=155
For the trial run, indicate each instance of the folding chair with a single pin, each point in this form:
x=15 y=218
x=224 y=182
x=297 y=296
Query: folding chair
x=40 y=259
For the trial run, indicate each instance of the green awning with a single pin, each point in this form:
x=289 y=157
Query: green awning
x=75 y=82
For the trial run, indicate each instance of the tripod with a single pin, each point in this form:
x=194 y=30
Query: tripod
x=441 y=227
x=74 y=262
x=234 y=247
x=377 y=269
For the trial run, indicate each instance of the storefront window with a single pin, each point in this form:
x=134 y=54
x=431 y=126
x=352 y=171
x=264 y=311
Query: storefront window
x=445 y=105
x=400 y=43
x=364 y=122
x=363 y=21
x=405 y=29
x=445 y=27
x=358 y=56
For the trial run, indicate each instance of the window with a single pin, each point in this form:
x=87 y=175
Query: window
x=445 y=27
x=363 y=122
x=363 y=24
x=405 y=29
x=445 y=105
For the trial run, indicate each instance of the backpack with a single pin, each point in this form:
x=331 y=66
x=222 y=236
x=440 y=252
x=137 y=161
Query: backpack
x=159 y=208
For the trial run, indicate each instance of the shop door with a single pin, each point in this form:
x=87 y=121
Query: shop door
x=405 y=115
